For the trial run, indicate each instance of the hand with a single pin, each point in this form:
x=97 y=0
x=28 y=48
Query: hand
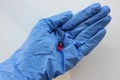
x=39 y=58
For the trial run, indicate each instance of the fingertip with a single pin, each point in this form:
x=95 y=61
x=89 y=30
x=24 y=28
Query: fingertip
x=64 y=15
x=106 y=9
x=109 y=17
x=57 y=20
x=96 y=7
x=69 y=13
x=99 y=36
x=96 y=3
x=102 y=32
x=106 y=20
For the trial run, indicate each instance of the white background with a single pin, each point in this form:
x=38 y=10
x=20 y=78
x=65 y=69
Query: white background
x=17 y=18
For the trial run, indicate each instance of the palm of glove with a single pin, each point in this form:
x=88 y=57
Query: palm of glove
x=79 y=33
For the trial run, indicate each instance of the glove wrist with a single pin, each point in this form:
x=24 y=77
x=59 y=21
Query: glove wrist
x=24 y=66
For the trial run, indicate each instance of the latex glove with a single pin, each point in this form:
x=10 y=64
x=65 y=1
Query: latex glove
x=39 y=58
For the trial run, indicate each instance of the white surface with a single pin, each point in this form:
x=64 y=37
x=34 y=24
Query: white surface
x=18 y=17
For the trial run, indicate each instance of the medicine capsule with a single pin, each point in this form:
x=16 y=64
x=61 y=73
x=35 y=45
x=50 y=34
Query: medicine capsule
x=60 y=46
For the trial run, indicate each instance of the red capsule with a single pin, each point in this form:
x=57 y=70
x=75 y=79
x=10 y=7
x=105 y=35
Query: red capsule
x=60 y=46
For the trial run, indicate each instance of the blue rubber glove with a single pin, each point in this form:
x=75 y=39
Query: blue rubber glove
x=39 y=58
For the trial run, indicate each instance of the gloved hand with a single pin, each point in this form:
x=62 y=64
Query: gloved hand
x=56 y=44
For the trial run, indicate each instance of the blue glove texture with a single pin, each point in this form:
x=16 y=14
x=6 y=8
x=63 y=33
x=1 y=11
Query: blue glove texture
x=41 y=58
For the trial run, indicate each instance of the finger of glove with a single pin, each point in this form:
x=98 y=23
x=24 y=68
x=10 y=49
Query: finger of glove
x=91 y=31
x=104 y=12
x=82 y=16
x=92 y=42
x=57 y=20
